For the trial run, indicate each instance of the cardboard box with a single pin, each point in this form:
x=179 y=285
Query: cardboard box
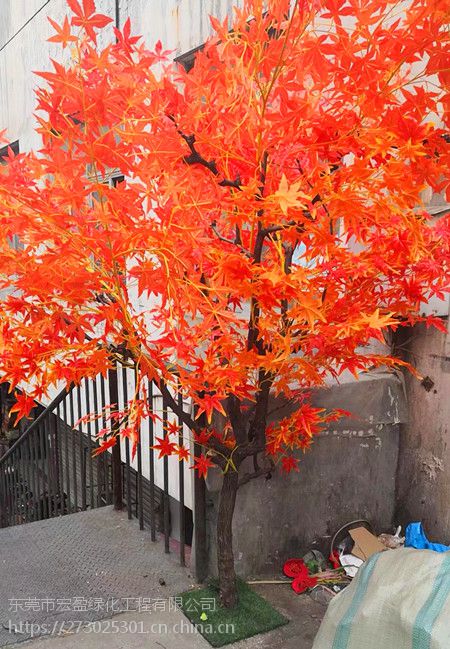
x=366 y=544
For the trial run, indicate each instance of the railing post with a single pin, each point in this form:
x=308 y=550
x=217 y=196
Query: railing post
x=127 y=446
x=182 y=519
x=3 y=514
x=200 y=548
x=116 y=456
x=166 y=501
x=200 y=542
x=151 y=441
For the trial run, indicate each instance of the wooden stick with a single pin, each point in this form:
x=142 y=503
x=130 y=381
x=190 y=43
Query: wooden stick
x=269 y=581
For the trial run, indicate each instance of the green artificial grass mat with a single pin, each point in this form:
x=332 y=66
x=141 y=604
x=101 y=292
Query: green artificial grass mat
x=221 y=626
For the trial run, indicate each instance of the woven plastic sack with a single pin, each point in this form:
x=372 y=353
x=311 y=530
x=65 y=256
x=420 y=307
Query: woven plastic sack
x=400 y=599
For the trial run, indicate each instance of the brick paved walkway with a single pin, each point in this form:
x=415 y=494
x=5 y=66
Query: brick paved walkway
x=98 y=556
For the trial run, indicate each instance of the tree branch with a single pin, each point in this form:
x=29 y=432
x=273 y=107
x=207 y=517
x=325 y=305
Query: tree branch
x=236 y=183
x=266 y=471
x=318 y=198
x=252 y=336
x=232 y=242
x=213 y=443
x=276 y=228
x=257 y=430
x=176 y=407
x=238 y=424
x=196 y=158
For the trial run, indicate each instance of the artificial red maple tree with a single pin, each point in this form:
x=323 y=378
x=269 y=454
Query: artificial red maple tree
x=270 y=224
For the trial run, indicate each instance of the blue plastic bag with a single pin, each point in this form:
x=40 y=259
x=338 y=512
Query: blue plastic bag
x=415 y=538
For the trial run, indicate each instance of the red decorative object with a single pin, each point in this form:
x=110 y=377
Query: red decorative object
x=334 y=559
x=302 y=583
x=295 y=568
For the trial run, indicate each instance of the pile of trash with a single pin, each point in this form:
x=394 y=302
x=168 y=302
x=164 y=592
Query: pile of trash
x=398 y=598
x=383 y=591
x=351 y=547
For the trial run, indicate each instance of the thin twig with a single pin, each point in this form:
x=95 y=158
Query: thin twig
x=232 y=242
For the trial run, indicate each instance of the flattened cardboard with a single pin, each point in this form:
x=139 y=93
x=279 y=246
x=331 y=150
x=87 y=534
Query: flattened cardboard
x=366 y=543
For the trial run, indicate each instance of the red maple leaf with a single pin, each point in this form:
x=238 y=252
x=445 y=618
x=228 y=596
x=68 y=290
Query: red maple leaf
x=124 y=37
x=208 y=404
x=202 y=437
x=202 y=464
x=23 y=406
x=105 y=445
x=63 y=34
x=87 y=18
x=161 y=55
x=164 y=446
x=334 y=559
x=289 y=463
x=172 y=428
x=182 y=452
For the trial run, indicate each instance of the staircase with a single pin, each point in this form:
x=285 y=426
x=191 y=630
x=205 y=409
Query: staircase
x=52 y=470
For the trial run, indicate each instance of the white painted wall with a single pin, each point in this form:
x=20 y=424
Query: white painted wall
x=180 y=24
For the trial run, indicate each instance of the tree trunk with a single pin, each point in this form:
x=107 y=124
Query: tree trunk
x=225 y=558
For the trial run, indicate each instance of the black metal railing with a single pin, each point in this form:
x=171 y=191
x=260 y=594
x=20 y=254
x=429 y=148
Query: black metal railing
x=53 y=470
x=151 y=492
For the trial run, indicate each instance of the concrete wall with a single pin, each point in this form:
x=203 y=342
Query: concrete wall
x=423 y=483
x=348 y=474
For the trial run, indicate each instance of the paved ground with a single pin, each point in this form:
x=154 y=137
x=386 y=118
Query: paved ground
x=70 y=577
x=305 y=616
x=80 y=568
